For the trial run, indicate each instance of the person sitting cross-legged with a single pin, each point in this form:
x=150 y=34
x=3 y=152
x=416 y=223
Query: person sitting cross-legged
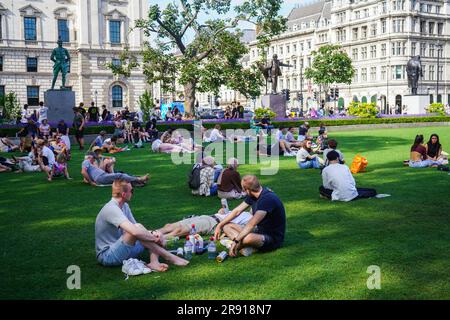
x=93 y=175
x=119 y=237
x=265 y=230
x=338 y=182
x=306 y=158
x=229 y=181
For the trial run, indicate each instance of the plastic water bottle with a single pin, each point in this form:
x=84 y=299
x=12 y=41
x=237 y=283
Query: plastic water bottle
x=193 y=230
x=197 y=248
x=225 y=205
x=188 y=249
x=212 y=249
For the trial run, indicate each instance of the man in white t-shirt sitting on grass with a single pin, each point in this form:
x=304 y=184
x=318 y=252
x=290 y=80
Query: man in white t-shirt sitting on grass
x=338 y=182
x=118 y=237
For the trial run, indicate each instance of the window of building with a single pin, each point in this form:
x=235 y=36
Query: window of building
x=431 y=50
x=440 y=72
x=1 y=63
x=413 y=48
x=357 y=15
x=398 y=25
x=364 y=53
x=423 y=49
x=363 y=32
x=431 y=73
x=309 y=44
x=373 y=51
x=373 y=73
x=363 y=74
x=383 y=73
x=116 y=62
x=397 y=72
x=429 y=8
x=384 y=7
x=294 y=48
x=1 y=31
x=399 y=5
x=281 y=50
x=63 y=30
x=287 y=49
x=373 y=30
x=355 y=77
x=413 y=25
x=438 y=9
x=33 y=95
x=355 y=54
x=383 y=49
x=302 y=46
x=114 y=31
x=355 y=33
x=117 y=96
x=30 y=28
x=32 y=64
x=440 y=28
x=431 y=27
x=383 y=25
x=423 y=25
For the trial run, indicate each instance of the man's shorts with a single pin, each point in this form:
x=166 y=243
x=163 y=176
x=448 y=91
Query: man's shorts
x=203 y=224
x=79 y=133
x=269 y=242
x=118 y=252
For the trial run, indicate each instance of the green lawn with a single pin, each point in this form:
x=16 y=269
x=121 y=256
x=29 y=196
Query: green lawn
x=45 y=227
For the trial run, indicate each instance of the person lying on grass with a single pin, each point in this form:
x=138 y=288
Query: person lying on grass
x=93 y=175
x=338 y=182
x=204 y=224
x=119 y=237
x=103 y=162
x=265 y=230
x=7 y=145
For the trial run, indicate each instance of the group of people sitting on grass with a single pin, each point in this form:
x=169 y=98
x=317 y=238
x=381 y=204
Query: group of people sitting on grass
x=170 y=141
x=427 y=155
x=210 y=179
x=119 y=237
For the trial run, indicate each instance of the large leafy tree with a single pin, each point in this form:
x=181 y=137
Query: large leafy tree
x=331 y=65
x=204 y=54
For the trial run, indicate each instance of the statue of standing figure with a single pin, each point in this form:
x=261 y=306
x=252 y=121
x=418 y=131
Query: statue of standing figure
x=414 y=71
x=273 y=71
x=60 y=56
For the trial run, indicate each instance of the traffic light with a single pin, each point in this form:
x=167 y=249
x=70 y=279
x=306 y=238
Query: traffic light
x=288 y=94
x=336 y=93
x=332 y=94
x=300 y=96
x=315 y=95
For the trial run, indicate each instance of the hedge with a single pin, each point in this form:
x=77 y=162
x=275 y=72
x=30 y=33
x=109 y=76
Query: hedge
x=94 y=129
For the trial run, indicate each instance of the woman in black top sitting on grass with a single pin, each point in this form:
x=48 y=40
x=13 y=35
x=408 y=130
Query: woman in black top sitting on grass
x=434 y=150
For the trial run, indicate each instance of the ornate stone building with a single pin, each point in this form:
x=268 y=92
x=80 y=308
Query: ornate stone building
x=94 y=31
x=380 y=36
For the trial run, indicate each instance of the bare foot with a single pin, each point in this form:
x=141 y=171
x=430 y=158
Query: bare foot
x=158 y=267
x=180 y=261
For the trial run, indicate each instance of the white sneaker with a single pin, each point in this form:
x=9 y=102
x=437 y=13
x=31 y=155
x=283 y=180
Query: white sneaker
x=130 y=268
x=141 y=264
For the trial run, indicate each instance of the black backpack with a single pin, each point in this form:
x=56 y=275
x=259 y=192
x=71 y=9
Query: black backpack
x=194 y=177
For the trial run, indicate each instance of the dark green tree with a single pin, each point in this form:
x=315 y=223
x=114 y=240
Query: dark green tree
x=331 y=65
x=204 y=55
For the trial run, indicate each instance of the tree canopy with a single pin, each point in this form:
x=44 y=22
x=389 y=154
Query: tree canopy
x=204 y=53
x=330 y=65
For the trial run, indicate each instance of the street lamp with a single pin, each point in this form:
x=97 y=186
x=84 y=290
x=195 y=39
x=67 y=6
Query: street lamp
x=439 y=49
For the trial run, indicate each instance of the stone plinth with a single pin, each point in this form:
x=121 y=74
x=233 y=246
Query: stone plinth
x=416 y=104
x=276 y=103
x=59 y=104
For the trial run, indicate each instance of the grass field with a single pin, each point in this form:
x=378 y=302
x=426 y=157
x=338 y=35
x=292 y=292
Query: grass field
x=46 y=227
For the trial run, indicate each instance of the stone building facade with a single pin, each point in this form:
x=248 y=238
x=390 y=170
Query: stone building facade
x=94 y=31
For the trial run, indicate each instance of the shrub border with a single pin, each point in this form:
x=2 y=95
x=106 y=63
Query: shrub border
x=93 y=129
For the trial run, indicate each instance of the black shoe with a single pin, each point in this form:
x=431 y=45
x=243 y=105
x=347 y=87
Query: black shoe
x=443 y=168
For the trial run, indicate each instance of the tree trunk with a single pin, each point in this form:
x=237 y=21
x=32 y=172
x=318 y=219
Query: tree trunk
x=189 y=97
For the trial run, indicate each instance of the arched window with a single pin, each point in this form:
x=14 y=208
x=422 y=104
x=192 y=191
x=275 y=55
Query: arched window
x=373 y=98
x=341 y=103
x=355 y=99
x=117 y=96
x=364 y=99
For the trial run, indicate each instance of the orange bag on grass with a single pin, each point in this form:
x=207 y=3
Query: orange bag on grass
x=359 y=164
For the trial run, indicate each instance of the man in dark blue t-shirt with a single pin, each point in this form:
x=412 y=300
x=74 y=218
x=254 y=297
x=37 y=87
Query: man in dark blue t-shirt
x=265 y=231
